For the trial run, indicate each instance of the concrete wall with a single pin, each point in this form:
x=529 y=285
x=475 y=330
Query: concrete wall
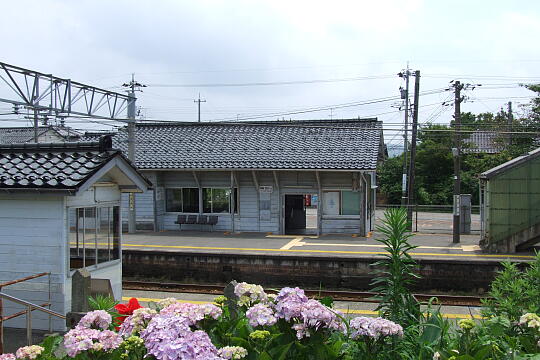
x=251 y=216
x=314 y=271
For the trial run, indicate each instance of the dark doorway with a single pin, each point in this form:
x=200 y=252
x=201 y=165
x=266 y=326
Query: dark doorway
x=295 y=214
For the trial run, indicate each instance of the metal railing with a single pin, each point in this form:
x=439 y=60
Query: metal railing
x=29 y=308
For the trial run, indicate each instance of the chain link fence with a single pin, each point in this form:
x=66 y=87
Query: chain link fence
x=434 y=218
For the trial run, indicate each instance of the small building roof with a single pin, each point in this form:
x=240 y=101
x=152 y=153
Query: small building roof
x=497 y=170
x=17 y=135
x=354 y=144
x=67 y=167
x=483 y=142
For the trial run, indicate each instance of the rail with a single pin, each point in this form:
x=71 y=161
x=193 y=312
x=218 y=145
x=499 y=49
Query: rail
x=5 y=318
x=355 y=296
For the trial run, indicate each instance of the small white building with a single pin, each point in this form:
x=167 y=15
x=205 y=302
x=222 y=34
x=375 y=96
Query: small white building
x=60 y=211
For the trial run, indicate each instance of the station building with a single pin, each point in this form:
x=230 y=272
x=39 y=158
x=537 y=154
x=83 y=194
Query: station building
x=283 y=177
x=59 y=212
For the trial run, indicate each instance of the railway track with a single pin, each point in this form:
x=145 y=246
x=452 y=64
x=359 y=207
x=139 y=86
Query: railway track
x=353 y=296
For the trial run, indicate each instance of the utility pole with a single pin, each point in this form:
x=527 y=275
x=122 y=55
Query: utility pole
x=131 y=110
x=405 y=94
x=411 y=198
x=199 y=101
x=456 y=152
x=510 y=123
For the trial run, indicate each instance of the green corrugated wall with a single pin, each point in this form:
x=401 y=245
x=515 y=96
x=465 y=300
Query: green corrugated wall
x=513 y=201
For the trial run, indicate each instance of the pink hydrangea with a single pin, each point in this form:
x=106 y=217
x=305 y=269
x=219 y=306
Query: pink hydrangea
x=84 y=339
x=99 y=319
x=261 y=315
x=210 y=310
x=193 y=312
x=7 y=357
x=29 y=352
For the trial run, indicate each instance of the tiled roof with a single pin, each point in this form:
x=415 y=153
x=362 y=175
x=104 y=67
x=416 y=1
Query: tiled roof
x=17 y=135
x=343 y=144
x=48 y=166
x=483 y=142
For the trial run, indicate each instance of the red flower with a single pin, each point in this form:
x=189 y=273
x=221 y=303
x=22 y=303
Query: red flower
x=127 y=309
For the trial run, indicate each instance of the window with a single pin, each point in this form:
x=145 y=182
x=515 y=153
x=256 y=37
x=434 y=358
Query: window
x=216 y=200
x=182 y=200
x=350 y=203
x=94 y=235
x=342 y=202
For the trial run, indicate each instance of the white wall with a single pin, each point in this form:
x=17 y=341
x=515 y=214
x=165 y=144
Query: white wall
x=32 y=240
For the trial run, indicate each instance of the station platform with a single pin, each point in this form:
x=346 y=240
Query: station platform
x=429 y=246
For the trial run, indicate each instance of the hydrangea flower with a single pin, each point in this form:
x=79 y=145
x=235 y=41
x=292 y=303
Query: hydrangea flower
x=530 y=319
x=29 y=352
x=374 y=327
x=163 y=303
x=135 y=323
x=316 y=315
x=7 y=357
x=168 y=336
x=84 y=339
x=192 y=312
x=210 y=310
x=232 y=352
x=249 y=294
x=289 y=303
x=261 y=315
x=99 y=319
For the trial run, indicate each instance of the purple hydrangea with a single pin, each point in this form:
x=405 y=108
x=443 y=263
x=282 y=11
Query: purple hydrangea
x=374 y=327
x=315 y=316
x=289 y=303
x=169 y=337
x=261 y=315
x=98 y=319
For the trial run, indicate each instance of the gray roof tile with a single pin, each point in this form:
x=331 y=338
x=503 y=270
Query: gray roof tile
x=62 y=166
x=315 y=144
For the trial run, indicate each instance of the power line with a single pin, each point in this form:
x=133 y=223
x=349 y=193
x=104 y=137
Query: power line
x=274 y=83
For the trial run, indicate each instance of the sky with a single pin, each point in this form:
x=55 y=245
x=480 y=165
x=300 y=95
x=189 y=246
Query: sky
x=268 y=60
